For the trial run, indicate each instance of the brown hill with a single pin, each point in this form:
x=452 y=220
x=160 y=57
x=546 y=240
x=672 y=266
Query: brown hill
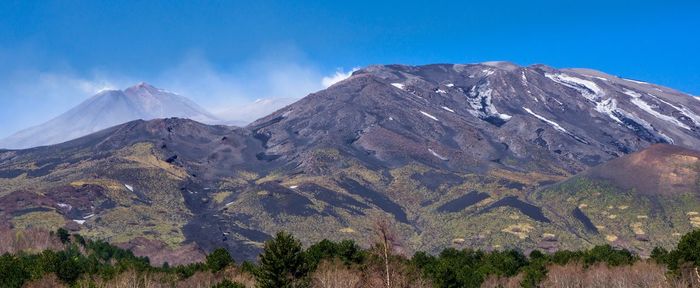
x=660 y=169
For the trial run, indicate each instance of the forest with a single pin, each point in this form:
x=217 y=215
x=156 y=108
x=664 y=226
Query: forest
x=78 y=262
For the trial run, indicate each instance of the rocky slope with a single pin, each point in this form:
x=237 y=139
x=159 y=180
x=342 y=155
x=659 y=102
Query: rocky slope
x=106 y=109
x=463 y=155
x=455 y=116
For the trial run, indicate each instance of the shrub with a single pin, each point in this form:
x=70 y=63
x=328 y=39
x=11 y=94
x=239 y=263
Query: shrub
x=63 y=235
x=228 y=284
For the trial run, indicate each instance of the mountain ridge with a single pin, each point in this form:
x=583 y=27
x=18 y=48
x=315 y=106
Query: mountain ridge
x=451 y=155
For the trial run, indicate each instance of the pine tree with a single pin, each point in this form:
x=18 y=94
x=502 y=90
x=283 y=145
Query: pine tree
x=219 y=259
x=282 y=263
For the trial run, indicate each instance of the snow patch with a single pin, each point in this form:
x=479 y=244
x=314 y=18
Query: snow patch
x=586 y=88
x=557 y=100
x=131 y=188
x=293 y=187
x=684 y=110
x=437 y=155
x=64 y=205
x=449 y=85
x=88 y=216
x=647 y=126
x=399 y=85
x=641 y=104
x=81 y=222
x=635 y=81
x=554 y=125
x=440 y=91
x=429 y=116
x=391 y=118
x=631 y=93
x=479 y=98
x=228 y=204
x=643 y=123
x=608 y=107
x=649 y=109
x=448 y=109
x=666 y=137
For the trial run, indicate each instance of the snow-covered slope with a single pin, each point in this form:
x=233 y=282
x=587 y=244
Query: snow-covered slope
x=106 y=109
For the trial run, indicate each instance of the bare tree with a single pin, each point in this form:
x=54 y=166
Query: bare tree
x=13 y=241
x=641 y=274
x=47 y=281
x=387 y=240
x=494 y=281
x=333 y=274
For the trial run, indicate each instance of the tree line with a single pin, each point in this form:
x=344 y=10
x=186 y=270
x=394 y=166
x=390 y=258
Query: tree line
x=284 y=263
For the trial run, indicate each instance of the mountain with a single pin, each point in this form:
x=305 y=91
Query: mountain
x=490 y=155
x=455 y=115
x=106 y=109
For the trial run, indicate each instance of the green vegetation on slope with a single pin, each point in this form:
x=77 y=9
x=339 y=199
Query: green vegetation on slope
x=284 y=263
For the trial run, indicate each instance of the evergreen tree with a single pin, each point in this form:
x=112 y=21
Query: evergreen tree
x=282 y=263
x=13 y=272
x=688 y=249
x=346 y=251
x=219 y=259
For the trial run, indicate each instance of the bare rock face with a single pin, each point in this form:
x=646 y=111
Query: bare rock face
x=489 y=155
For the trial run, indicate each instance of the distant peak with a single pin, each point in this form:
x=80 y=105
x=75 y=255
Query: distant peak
x=143 y=85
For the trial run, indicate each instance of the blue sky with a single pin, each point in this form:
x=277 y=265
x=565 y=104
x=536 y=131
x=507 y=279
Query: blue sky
x=54 y=54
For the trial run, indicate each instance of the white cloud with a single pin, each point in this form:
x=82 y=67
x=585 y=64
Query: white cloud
x=230 y=93
x=30 y=97
x=339 y=75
